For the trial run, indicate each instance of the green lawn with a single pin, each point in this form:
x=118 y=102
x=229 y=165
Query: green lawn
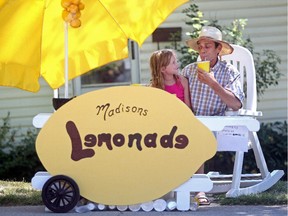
x=18 y=193
x=276 y=195
x=21 y=193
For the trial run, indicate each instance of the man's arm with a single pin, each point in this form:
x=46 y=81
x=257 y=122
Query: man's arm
x=226 y=96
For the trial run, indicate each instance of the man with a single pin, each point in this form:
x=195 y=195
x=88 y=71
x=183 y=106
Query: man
x=213 y=92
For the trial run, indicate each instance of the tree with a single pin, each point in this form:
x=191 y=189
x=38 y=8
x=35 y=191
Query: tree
x=266 y=63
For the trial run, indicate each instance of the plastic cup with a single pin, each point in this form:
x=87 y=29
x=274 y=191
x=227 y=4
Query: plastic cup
x=147 y=207
x=135 y=207
x=159 y=205
x=122 y=207
x=204 y=65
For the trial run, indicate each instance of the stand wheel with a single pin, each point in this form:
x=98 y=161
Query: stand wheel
x=60 y=194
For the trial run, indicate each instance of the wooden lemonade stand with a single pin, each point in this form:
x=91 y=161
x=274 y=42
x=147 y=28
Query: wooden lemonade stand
x=116 y=147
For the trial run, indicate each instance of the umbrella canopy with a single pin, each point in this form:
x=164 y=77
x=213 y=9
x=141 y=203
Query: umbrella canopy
x=32 y=37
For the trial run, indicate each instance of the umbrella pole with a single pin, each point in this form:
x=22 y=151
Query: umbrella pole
x=66 y=93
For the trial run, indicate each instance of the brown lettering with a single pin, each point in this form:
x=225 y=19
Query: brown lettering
x=182 y=141
x=150 y=140
x=166 y=141
x=136 y=137
x=78 y=152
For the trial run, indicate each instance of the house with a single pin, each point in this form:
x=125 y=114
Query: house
x=267 y=28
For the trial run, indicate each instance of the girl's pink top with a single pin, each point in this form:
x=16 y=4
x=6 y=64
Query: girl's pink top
x=176 y=89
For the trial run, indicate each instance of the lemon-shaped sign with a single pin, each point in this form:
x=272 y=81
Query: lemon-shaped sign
x=125 y=145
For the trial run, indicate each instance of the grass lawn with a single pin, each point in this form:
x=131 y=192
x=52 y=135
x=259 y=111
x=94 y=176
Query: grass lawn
x=14 y=193
x=22 y=193
x=276 y=195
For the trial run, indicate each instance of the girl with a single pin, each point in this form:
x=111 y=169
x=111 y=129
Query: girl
x=164 y=73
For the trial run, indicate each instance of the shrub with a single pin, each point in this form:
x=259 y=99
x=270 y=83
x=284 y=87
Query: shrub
x=18 y=158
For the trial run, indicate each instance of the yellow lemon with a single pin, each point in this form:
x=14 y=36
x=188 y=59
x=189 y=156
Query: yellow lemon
x=65 y=3
x=81 y=6
x=75 y=23
x=73 y=8
x=76 y=2
x=65 y=15
x=76 y=15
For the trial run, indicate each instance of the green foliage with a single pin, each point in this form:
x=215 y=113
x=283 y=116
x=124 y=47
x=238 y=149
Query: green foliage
x=196 y=22
x=266 y=62
x=18 y=158
x=7 y=136
x=267 y=70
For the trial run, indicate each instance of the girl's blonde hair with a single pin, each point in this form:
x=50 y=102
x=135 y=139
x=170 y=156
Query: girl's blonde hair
x=159 y=59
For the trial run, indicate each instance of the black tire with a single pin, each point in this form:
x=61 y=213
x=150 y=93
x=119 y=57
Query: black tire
x=60 y=194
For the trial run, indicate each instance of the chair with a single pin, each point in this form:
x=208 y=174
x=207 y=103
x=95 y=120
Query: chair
x=242 y=184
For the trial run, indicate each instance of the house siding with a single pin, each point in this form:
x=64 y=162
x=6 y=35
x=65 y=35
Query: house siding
x=22 y=106
x=266 y=26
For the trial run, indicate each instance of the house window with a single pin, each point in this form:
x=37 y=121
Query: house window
x=118 y=73
x=167 y=35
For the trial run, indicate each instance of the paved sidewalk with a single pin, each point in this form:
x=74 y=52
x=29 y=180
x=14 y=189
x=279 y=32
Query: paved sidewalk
x=212 y=210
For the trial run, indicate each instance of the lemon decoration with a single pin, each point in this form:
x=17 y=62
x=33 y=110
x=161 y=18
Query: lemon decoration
x=122 y=149
x=71 y=12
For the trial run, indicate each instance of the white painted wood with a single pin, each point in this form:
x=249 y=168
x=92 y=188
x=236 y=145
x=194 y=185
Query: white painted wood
x=199 y=182
x=39 y=180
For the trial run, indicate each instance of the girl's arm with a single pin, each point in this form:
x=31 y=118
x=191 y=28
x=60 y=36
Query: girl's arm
x=187 y=99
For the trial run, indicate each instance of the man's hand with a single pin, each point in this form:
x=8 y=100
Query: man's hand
x=226 y=96
x=205 y=77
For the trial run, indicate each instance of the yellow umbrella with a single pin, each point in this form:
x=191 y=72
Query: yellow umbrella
x=32 y=42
